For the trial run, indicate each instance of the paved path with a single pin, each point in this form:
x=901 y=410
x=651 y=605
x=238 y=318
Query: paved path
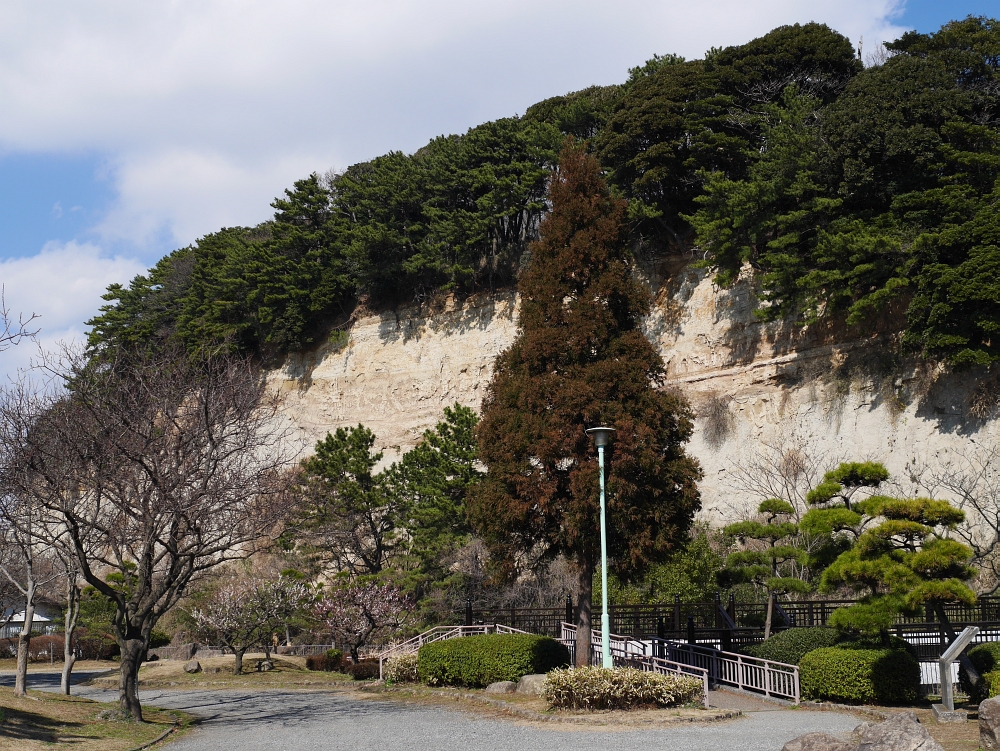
x=301 y=721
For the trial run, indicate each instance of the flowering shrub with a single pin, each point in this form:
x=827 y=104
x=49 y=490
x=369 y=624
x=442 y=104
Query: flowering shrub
x=360 y=614
x=617 y=688
x=401 y=669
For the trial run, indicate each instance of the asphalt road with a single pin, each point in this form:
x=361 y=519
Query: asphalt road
x=301 y=721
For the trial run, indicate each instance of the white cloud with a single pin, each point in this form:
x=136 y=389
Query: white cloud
x=209 y=108
x=63 y=285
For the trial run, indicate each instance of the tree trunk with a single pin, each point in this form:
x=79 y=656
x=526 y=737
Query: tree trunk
x=24 y=642
x=128 y=683
x=769 y=616
x=72 y=613
x=238 y=660
x=584 y=625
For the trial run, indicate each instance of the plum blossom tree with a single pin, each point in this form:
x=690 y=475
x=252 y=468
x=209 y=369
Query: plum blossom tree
x=363 y=612
x=243 y=611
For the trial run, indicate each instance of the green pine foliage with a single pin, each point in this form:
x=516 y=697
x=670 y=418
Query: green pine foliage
x=863 y=194
x=985 y=659
x=478 y=661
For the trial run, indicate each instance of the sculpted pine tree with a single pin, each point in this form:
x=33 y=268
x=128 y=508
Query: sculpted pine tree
x=580 y=360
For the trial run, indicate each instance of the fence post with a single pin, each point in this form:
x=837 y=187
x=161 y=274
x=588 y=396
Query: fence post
x=468 y=611
x=677 y=615
x=660 y=634
x=691 y=637
x=569 y=609
x=731 y=608
x=513 y=615
x=718 y=607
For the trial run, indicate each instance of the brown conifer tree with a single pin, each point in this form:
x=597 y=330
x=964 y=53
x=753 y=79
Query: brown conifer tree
x=580 y=360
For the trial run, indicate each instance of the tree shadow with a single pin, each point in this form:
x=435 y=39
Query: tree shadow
x=33 y=726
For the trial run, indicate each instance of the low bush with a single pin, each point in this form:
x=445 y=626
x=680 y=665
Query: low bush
x=331 y=661
x=860 y=676
x=481 y=660
x=985 y=659
x=618 y=688
x=366 y=670
x=792 y=645
x=400 y=669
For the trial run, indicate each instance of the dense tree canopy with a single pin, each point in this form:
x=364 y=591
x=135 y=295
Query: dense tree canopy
x=846 y=190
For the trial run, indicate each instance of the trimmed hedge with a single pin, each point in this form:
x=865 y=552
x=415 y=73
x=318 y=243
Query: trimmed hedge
x=860 y=676
x=478 y=661
x=618 y=688
x=986 y=659
x=792 y=645
x=330 y=662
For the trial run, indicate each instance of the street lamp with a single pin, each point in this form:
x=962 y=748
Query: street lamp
x=602 y=436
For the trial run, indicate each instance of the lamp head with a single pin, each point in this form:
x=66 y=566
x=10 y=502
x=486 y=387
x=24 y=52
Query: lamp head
x=601 y=436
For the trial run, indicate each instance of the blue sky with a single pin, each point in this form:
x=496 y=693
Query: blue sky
x=130 y=129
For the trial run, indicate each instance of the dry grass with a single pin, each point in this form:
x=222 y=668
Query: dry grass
x=217 y=672
x=44 y=719
x=953 y=736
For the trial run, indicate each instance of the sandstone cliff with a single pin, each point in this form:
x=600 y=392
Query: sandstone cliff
x=760 y=389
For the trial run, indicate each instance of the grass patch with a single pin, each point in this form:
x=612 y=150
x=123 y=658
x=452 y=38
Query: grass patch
x=43 y=719
x=217 y=672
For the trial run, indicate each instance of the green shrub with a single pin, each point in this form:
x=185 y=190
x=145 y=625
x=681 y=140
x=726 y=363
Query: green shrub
x=335 y=657
x=482 y=660
x=400 y=669
x=986 y=659
x=792 y=645
x=860 y=676
x=618 y=688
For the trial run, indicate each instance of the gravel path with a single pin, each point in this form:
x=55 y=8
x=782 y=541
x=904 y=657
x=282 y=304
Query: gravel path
x=299 y=721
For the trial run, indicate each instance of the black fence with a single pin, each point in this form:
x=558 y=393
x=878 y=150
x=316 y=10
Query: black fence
x=734 y=624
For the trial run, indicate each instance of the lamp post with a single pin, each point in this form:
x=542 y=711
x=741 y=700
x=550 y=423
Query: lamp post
x=602 y=436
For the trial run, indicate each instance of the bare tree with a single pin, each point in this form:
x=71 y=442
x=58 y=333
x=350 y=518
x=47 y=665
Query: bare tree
x=71 y=615
x=158 y=466
x=776 y=470
x=972 y=481
x=11 y=331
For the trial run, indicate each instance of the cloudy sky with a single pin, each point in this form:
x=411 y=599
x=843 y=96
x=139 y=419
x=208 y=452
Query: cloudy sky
x=128 y=129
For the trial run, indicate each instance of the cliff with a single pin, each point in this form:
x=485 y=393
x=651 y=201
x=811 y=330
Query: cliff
x=775 y=402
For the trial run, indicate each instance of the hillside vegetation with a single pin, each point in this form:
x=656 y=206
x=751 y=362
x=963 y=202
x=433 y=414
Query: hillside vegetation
x=848 y=190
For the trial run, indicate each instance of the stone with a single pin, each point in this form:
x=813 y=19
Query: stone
x=901 y=732
x=989 y=724
x=531 y=684
x=502 y=687
x=818 y=742
x=192 y=666
x=264 y=665
x=186 y=651
x=213 y=670
x=942 y=714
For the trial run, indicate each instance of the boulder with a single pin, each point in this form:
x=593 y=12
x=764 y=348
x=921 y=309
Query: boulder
x=264 y=665
x=192 y=666
x=502 y=687
x=186 y=651
x=989 y=724
x=818 y=742
x=901 y=732
x=531 y=684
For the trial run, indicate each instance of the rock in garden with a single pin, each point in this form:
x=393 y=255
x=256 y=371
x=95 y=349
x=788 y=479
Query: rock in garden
x=989 y=724
x=192 y=666
x=186 y=651
x=502 y=687
x=901 y=732
x=531 y=684
x=817 y=742
x=264 y=665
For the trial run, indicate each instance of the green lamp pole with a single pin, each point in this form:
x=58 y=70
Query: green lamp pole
x=602 y=436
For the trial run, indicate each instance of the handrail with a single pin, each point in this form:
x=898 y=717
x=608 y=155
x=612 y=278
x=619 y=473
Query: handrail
x=755 y=674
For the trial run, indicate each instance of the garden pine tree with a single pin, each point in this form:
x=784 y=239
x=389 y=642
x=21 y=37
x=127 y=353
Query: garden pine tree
x=580 y=360
x=774 y=568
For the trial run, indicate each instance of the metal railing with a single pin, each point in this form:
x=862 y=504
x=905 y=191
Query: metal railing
x=440 y=633
x=773 y=679
x=628 y=652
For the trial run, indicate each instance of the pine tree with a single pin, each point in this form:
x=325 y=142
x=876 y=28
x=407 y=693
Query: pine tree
x=778 y=566
x=580 y=360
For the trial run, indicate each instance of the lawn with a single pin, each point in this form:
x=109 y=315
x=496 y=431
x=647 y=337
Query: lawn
x=43 y=719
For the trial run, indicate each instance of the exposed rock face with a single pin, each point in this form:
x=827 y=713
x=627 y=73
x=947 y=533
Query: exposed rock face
x=989 y=724
x=816 y=390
